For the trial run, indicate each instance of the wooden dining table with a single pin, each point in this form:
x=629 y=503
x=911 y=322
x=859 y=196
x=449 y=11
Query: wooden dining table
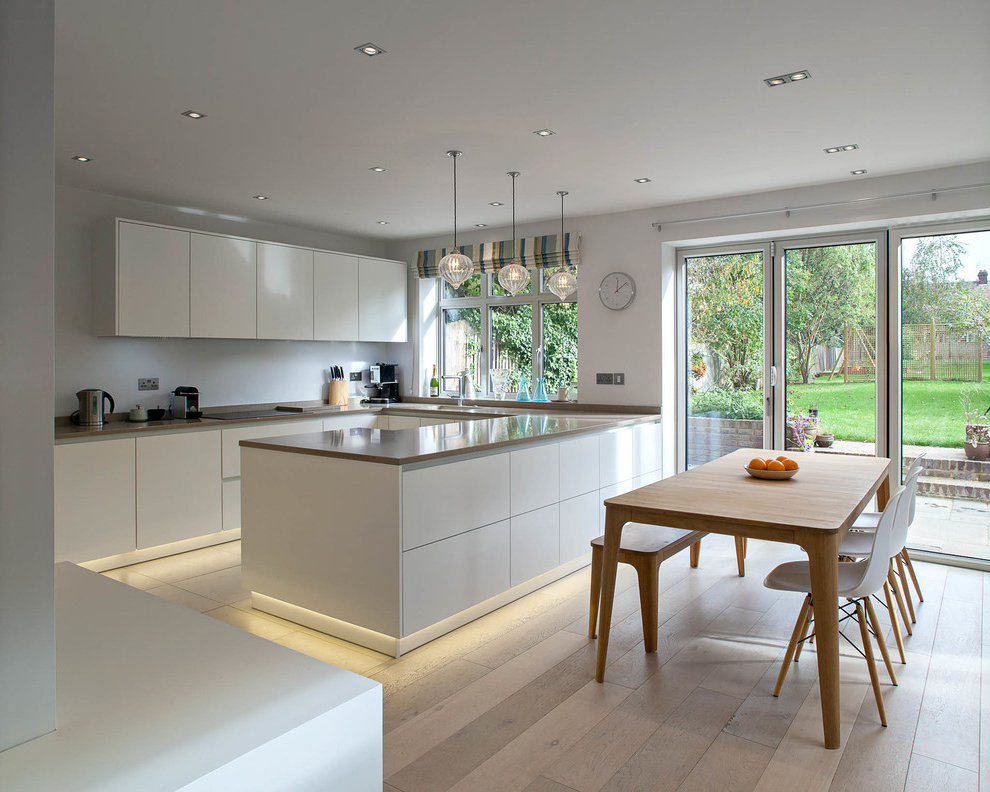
x=813 y=509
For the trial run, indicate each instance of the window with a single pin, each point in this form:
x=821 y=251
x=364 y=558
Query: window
x=483 y=328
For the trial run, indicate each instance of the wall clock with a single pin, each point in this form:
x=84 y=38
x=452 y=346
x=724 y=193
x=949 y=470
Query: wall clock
x=617 y=291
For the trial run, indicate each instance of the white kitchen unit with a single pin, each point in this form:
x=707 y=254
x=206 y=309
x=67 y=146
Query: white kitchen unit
x=335 y=297
x=285 y=292
x=178 y=487
x=391 y=539
x=94 y=500
x=223 y=274
x=140 y=280
x=382 y=300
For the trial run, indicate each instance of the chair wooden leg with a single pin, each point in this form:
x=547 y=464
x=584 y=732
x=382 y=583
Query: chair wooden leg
x=799 y=626
x=871 y=664
x=596 y=590
x=914 y=577
x=648 y=570
x=892 y=579
x=695 y=551
x=893 y=621
x=804 y=633
x=872 y=613
x=741 y=555
x=904 y=585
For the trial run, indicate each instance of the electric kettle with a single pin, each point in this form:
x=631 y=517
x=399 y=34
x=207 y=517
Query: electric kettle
x=90 y=412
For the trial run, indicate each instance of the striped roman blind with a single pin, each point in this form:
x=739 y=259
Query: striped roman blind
x=549 y=251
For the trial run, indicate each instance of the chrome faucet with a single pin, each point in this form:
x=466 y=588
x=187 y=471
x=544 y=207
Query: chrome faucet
x=460 y=386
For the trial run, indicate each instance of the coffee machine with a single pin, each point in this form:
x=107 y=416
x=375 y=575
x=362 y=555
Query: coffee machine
x=384 y=384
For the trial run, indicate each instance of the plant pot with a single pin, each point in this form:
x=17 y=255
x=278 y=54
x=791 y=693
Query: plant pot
x=791 y=443
x=824 y=440
x=977 y=451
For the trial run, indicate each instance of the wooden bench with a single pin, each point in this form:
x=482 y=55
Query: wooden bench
x=644 y=548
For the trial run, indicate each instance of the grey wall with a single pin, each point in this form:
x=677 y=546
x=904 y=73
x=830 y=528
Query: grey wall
x=225 y=371
x=27 y=610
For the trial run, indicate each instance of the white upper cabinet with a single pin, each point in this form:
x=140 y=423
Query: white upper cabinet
x=335 y=297
x=382 y=300
x=152 y=281
x=223 y=274
x=285 y=292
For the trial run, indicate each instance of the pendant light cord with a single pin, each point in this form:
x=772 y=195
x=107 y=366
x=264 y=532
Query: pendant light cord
x=455 y=200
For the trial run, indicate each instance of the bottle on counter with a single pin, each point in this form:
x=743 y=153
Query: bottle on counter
x=434 y=383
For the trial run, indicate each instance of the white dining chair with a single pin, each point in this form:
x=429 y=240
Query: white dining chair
x=858 y=581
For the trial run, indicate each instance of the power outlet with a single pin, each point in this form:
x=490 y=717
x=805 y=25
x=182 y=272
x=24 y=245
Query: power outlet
x=619 y=379
x=355 y=376
x=603 y=379
x=148 y=384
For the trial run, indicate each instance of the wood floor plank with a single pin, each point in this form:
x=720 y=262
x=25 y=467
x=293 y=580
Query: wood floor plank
x=415 y=737
x=932 y=578
x=949 y=723
x=427 y=692
x=877 y=758
x=692 y=727
x=520 y=762
x=732 y=764
x=927 y=774
x=985 y=720
x=542 y=784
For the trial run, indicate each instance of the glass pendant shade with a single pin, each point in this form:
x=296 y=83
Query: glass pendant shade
x=513 y=277
x=455 y=268
x=562 y=283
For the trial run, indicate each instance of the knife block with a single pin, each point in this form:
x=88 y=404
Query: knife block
x=338 y=393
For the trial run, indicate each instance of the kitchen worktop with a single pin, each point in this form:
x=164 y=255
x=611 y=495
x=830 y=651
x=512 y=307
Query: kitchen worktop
x=473 y=433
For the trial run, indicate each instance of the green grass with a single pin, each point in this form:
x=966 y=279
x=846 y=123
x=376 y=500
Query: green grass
x=932 y=412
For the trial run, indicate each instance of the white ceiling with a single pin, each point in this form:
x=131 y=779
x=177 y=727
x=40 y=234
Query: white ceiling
x=669 y=90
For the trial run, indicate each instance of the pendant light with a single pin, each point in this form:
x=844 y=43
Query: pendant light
x=513 y=277
x=562 y=281
x=455 y=267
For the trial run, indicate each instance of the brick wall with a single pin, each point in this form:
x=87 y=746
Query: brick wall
x=710 y=438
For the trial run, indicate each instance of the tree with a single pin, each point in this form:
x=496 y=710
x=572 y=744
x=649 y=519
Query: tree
x=725 y=300
x=827 y=288
x=929 y=287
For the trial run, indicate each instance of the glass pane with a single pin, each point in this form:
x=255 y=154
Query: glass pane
x=470 y=288
x=831 y=332
x=560 y=348
x=546 y=273
x=512 y=341
x=725 y=355
x=498 y=291
x=945 y=389
x=461 y=341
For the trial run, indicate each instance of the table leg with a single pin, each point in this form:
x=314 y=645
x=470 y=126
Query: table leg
x=615 y=518
x=883 y=494
x=823 y=558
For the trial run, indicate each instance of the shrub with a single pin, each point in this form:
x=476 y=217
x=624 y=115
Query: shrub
x=728 y=403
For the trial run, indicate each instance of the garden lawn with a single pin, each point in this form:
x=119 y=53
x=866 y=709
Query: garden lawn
x=932 y=412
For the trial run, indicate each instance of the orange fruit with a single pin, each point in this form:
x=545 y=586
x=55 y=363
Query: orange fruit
x=775 y=464
x=790 y=464
x=757 y=464
x=781 y=459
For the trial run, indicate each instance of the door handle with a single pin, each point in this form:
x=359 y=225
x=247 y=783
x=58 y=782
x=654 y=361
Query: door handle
x=773 y=376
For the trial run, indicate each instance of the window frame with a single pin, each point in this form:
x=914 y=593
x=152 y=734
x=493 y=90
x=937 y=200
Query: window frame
x=537 y=298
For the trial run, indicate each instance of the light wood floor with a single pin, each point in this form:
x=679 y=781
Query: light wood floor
x=508 y=702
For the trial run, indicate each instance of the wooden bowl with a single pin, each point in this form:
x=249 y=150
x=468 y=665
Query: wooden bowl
x=771 y=475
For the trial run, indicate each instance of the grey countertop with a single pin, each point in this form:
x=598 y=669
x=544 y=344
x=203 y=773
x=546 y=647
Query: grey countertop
x=429 y=443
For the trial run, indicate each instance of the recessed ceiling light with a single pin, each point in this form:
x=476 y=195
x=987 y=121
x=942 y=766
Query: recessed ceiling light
x=260 y=197
x=370 y=49
x=837 y=149
x=642 y=180
x=81 y=158
x=378 y=169
x=383 y=222
x=857 y=172
x=544 y=132
x=481 y=225
x=193 y=114
x=851 y=147
x=496 y=203
x=783 y=79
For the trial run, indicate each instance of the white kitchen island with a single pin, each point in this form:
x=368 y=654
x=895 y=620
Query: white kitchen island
x=392 y=538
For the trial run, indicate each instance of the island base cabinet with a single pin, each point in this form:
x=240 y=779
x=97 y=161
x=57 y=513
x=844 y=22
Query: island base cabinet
x=178 y=487
x=94 y=500
x=578 y=525
x=446 y=577
x=535 y=543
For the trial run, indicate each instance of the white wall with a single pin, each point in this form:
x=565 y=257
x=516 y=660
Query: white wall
x=225 y=371
x=27 y=588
